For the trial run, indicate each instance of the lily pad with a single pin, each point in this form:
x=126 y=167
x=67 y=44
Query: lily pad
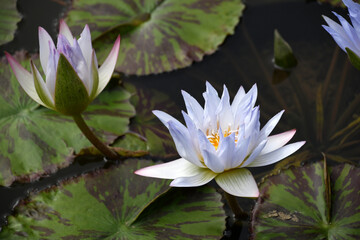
x=36 y=141
x=301 y=203
x=9 y=19
x=156 y=35
x=146 y=127
x=117 y=204
x=283 y=53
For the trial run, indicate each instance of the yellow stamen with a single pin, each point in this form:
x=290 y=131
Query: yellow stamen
x=214 y=137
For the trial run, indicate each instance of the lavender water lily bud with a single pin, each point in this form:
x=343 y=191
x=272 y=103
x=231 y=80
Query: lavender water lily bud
x=220 y=141
x=72 y=77
x=347 y=35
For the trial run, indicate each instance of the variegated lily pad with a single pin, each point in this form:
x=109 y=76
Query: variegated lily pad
x=117 y=204
x=156 y=35
x=147 y=130
x=9 y=19
x=303 y=203
x=35 y=141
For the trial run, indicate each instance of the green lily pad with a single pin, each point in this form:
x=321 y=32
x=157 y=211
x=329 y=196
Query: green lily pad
x=36 y=141
x=9 y=19
x=300 y=204
x=156 y=35
x=148 y=133
x=117 y=204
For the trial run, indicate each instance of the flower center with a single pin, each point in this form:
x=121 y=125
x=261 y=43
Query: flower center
x=214 y=137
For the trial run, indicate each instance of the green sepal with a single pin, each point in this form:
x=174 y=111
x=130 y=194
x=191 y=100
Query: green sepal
x=39 y=89
x=283 y=54
x=71 y=96
x=354 y=59
x=95 y=76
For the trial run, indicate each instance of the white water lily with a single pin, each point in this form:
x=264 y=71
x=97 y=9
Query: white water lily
x=73 y=78
x=219 y=141
x=347 y=35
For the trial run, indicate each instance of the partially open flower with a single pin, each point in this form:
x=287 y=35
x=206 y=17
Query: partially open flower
x=347 y=36
x=73 y=78
x=219 y=141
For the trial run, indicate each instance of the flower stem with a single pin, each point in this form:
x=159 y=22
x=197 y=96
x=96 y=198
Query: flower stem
x=108 y=153
x=235 y=207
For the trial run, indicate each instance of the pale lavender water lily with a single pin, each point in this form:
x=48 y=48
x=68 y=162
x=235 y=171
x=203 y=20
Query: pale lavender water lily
x=219 y=141
x=82 y=58
x=346 y=35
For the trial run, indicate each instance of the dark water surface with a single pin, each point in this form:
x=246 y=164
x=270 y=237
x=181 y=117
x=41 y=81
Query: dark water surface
x=243 y=59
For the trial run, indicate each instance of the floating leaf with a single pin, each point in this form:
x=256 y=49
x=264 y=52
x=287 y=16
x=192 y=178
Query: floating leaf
x=35 y=140
x=146 y=126
x=156 y=36
x=117 y=204
x=283 y=54
x=9 y=19
x=292 y=205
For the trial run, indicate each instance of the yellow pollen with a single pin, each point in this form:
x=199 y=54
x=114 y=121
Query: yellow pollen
x=214 y=137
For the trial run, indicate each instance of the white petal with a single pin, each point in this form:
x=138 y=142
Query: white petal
x=238 y=182
x=94 y=76
x=211 y=103
x=183 y=143
x=25 y=78
x=85 y=45
x=226 y=151
x=237 y=99
x=277 y=141
x=338 y=33
x=165 y=118
x=254 y=154
x=192 y=131
x=41 y=88
x=240 y=153
x=201 y=178
x=277 y=155
x=45 y=45
x=51 y=70
x=65 y=31
x=195 y=111
x=213 y=162
x=224 y=113
x=270 y=125
x=350 y=32
x=170 y=170
x=107 y=68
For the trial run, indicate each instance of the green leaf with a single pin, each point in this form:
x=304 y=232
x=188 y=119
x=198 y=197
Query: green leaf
x=36 y=141
x=9 y=19
x=293 y=205
x=156 y=36
x=283 y=54
x=146 y=126
x=71 y=96
x=354 y=59
x=117 y=204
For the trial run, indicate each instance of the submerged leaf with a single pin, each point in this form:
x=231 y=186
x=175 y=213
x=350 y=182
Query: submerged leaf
x=9 y=19
x=156 y=35
x=292 y=205
x=117 y=204
x=283 y=54
x=36 y=141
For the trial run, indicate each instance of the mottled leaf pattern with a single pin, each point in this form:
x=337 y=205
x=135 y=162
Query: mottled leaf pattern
x=146 y=127
x=9 y=19
x=117 y=204
x=156 y=35
x=35 y=140
x=292 y=205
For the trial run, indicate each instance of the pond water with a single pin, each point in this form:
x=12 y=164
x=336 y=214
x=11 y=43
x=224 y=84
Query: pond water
x=323 y=72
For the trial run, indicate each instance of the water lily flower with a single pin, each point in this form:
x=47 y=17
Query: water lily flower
x=347 y=35
x=72 y=76
x=219 y=141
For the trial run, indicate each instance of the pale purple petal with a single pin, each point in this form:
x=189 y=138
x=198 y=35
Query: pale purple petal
x=270 y=125
x=237 y=99
x=240 y=152
x=213 y=162
x=277 y=155
x=224 y=113
x=254 y=154
x=226 y=150
x=350 y=32
x=51 y=70
x=45 y=45
x=25 y=78
x=211 y=103
x=170 y=170
x=42 y=90
x=85 y=45
x=184 y=144
x=107 y=68
x=165 y=118
x=277 y=141
x=238 y=182
x=192 y=131
x=194 y=110
x=201 y=178
x=65 y=31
